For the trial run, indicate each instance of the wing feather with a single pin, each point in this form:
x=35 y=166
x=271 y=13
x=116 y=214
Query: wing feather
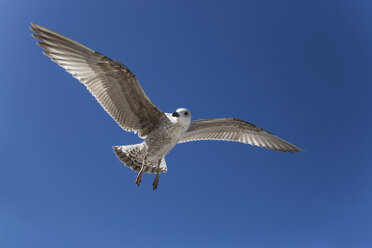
x=231 y=129
x=113 y=85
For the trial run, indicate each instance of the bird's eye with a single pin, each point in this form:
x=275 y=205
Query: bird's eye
x=186 y=113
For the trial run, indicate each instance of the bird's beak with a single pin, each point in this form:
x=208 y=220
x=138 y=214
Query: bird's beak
x=175 y=114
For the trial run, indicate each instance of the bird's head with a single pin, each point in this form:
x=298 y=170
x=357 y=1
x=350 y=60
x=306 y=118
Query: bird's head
x=183 y=116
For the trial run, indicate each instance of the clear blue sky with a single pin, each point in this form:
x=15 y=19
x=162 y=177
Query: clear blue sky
x=300 y=69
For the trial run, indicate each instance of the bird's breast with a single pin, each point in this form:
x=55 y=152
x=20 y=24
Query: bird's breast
x=162 y=140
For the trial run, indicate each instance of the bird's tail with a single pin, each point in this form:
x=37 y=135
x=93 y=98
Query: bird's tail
x=132 y=157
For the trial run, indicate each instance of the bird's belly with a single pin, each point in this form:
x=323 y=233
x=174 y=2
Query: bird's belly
x=157 y=151
x=162 y=141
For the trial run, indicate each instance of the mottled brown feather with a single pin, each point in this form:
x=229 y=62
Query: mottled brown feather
x=232 y=129
x=114 y=86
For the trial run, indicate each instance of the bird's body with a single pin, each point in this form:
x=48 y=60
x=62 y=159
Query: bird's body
x=157 y=144
x=162 y=140
x=118 y=91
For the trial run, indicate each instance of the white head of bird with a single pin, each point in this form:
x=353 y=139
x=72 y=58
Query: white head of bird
x=182 y=116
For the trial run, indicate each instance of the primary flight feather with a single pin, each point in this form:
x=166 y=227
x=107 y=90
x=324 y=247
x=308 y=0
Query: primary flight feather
x=118 y=91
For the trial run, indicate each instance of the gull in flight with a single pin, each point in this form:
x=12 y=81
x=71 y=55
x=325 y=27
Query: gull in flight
x=118 y=91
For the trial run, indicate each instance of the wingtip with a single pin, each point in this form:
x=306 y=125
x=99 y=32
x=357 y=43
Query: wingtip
x=298 y=150
x=34 y=25
x=36 y=36
x=36 y=28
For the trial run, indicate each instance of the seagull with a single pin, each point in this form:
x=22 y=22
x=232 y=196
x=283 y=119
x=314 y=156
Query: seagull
x=118 y=91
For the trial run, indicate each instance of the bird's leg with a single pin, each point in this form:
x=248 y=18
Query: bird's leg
x=139 y=176
x=156 y=180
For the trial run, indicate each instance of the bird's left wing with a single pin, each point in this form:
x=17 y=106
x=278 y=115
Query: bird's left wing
x=113 y=85
x=231 y=129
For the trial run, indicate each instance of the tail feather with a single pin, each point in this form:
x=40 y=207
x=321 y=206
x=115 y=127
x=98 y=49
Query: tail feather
x=132 y=157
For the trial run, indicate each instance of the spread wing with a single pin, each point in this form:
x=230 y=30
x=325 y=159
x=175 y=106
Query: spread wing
x=113 y=85
x=231 y=129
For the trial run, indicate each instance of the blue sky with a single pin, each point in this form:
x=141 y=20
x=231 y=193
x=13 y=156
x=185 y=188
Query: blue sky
x=299 y=69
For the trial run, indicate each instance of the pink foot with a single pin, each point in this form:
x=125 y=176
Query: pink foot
x=139 y=177
x=155 y=183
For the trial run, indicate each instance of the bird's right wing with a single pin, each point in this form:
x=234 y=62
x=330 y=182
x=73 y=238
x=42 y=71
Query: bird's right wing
x=113 y=85
x=231 y=129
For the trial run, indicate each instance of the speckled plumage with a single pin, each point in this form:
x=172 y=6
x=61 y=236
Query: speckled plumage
x=157 y=144
x=118 y=91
